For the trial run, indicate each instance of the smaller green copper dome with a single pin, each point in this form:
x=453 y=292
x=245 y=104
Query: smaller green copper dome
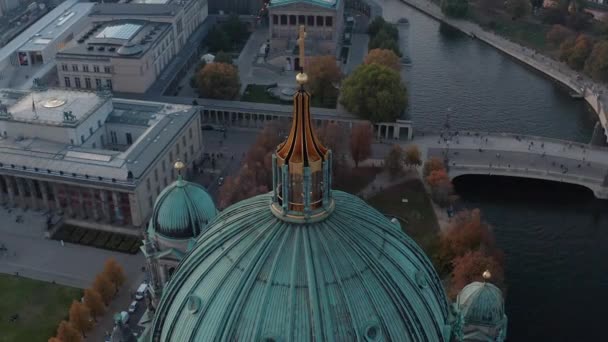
x=481 y=303
x=182 y=210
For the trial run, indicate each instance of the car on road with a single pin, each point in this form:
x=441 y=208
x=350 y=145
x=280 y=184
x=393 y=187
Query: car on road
x=133 y=306
x=141 y=290
x=220 y=181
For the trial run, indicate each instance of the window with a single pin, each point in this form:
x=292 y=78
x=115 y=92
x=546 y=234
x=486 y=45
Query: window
x=157 y=190
x=67 y=82
x=190 y=132
x=292 y=20
x=107 y=70
x=310 y=20
x=113 y=137
x=186 y=158
x=275 y=19
x=177 y=149
x=179 y=25
x=82 y=139
x=165 y=182
x=95 y=68
x=109 y=84
x=283 y=19
x=184 y=141
x=319 y=20
x=71 y=141
x=91 y=130
x=77 y=81
x=301 y=20
x=164 y=165
x=74 y=67
x=150 y=203
x=156 y=175
x=148 y=184
x=129 y=138
x=329 y=21
x=97 y=83
x=102 y=140
x=191 y=149
x=170 y=157
x=85 y=67
x=99 y=123
x=64 y=67
x=87 y=82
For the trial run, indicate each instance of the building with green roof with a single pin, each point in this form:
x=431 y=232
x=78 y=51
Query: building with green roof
x=181 y=213
x=482 y=312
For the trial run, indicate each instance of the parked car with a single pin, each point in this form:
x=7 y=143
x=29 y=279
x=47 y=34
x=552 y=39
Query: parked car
x=124 y=317
x=141 y=290
x=133 y=306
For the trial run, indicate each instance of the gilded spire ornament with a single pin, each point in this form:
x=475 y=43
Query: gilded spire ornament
x=301 y=77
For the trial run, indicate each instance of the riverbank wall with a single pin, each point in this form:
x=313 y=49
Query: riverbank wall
x=553 y=69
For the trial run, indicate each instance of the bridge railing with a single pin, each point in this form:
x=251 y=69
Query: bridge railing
x=558 y=175
x=462 y=133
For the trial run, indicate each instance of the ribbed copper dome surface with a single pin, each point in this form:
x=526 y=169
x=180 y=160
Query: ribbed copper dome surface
x=182 y=210
x=481 y=303
x=350 y=277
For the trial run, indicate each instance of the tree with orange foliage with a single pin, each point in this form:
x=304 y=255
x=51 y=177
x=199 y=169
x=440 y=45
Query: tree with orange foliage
x=470 y=267
x=219 y=81
x=432 y=164
x=467 y=232
x=104 y=286
x=80 y=317
x=67 y=333
x=361 y=142
x=437 y=178
x=93 y=301
x=114 y=272
x=412 y=156
x=383 y=57
x=323 y=74
x=54 y=339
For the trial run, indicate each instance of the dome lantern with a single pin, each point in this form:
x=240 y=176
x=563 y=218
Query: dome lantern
x=301 y=166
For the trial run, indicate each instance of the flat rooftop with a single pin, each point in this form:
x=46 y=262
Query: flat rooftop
x=118 y=38
x=51 y=159
x=167 y=9
x=57 y=27
x=48 y=106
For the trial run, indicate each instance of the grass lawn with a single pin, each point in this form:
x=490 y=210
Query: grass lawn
x=40 y=306
x=257 y=93
x=355 y=179
x=420 y=220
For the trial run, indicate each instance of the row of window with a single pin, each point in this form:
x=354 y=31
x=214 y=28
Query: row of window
x=87 y=83
x=85 y=68
x=302 y=20
x=91 y=131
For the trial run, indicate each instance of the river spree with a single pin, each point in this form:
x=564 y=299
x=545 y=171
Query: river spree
x=555 y=236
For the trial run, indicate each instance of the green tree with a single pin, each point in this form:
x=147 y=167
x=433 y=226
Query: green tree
x=597 y=63
x=223 y=57
x=323 y=73
x=218 y=40
x=384 y=40
x=374 y=92
x=235 y=29
x=219 y=81
x=375 y=25
x=455 y=8
x=518 y=8
x=393 y=162
x=385 y=57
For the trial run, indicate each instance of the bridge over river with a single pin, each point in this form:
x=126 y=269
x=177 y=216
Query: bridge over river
x=468 y=153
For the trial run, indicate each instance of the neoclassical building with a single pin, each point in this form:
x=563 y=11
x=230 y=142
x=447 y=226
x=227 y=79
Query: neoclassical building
x=96 y=160
x=323 y=21
x=181 y=213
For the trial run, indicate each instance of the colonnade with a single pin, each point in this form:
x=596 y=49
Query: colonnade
x=107 y=206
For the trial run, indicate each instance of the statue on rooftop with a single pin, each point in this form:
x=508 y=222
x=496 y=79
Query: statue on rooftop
x=68 y=116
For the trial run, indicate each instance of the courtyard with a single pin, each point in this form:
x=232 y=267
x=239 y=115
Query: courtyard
x=30 y=310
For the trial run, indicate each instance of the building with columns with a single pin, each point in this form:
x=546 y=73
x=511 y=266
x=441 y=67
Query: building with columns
x=100 y=162
x=324 y=22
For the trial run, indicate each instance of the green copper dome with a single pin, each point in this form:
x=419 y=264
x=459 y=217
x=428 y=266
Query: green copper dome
x=182 y=210
x=350 y=276
x=481 y=303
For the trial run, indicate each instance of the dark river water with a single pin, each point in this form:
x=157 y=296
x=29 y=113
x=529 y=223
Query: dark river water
x=555 y=236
